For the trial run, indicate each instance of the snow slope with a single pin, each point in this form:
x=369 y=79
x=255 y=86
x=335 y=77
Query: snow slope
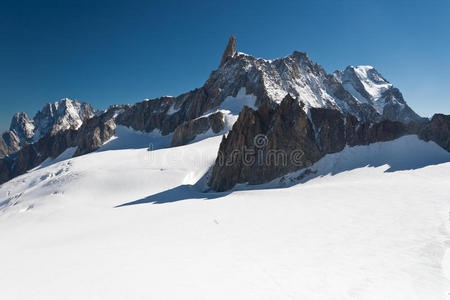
x=128 y=223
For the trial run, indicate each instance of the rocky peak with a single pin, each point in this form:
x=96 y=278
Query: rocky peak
x=361 y=91
x=9 y=143
x=230 y=50
x=22 y=126
x=61 y=115
x=369 y=87
x=271 y=142
x=250 y=152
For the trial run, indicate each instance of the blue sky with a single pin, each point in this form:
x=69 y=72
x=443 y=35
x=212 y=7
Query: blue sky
x=114 y=52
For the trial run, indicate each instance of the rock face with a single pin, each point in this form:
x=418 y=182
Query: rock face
x=5 y=170
x=230 y=50
x=21 y=132
x=330 y=130
x=265 y=144
x=163 y=114
x=438 y=131
x=360 y=91
x=369 y=88
x=53 y=118
x=9 y=143
x=61 y=115
x=187 y=132
x=95 y=132
x=271 y=142
x=89 y=137
x=23 y=127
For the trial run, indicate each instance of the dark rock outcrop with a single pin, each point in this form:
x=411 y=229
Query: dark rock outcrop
x=230 y=50
x=438 y=131
x=89 y=137
x=5 y=169
x=9 y=143
x=95 y=132
x=330 y=130
x=265 y=144
x=153 y=114
x=187 y=132
x=290 y=141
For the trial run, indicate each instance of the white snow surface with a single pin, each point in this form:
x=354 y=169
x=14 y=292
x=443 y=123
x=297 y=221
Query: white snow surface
x=360 y=229
x=235 y=104
x=128 y=138
x=374 y=85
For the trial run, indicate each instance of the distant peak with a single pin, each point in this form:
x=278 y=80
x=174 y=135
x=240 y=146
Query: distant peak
x=230 y=50
x=19 y=118
x=300 y=54
x=20 y=115
x=360 y=68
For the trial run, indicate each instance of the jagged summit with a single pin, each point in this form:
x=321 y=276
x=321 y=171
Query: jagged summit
x=61 y=115
x=22 y=126
x=230 y=50
x=52 y=118
x=361 y=90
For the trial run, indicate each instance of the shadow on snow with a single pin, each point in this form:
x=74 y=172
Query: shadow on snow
x=406 y=153
x=182 y=192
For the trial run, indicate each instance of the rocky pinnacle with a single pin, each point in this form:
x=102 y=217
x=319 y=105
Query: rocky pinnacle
x=230 y=50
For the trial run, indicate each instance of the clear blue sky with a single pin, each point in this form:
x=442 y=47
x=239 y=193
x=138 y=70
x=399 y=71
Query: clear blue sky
x=110 y=52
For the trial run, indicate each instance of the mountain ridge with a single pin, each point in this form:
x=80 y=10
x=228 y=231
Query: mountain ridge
x=240 y=80
x=52 y=118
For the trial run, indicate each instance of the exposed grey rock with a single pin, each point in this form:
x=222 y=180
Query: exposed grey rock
x=370 y=89
x=330 y=129
x=53 y=118
x=438 y=131
x=9 y=143
x=23 y=127
x=61 y=115
x=187 y=132
x=288 y=130
x=95 y=132
x=270 y=80
x=5 y=169
x=396 y=109
x=242 y=158
x=230 y=50
x=88 y=138
x=163 y=114
x=21 y=131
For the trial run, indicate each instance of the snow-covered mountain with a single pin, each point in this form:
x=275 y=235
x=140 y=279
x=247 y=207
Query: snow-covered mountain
x=22 y=126
x=240 y=80
x=52 y=118
x=367 y=86
x=360 y=91
x=61 y=115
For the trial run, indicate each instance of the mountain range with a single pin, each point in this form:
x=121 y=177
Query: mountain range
x=324 y=103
